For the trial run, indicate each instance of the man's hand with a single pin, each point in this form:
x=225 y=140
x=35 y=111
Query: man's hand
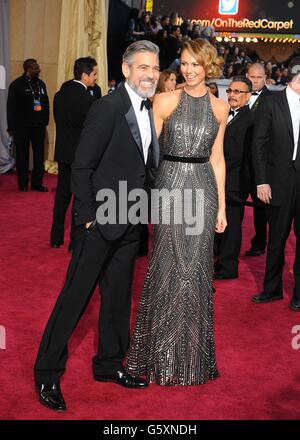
x=264 y=193
x=87 y=225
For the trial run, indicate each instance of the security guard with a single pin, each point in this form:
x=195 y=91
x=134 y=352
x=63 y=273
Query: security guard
x=27 y=118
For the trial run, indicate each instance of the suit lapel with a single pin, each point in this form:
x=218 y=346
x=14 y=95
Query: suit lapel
x=286 y=112
x=154 y=141
x=237 y=117
x=257 y=102
x=134 y=128
x=232 y=120
x=131 y=120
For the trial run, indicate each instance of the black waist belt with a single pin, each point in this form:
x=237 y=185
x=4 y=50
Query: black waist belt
x=185 y=159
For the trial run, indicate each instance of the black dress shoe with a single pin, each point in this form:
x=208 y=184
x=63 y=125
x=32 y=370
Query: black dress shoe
x=265 y=297
x=70 y=248
x=143 y=252
x=57 y=244
x=122 y=378
x=50 y=395
x=217 y=266
x=23 y=188
x=295 y=305
x=222 y=276
x=254 y=252
x=40 y=188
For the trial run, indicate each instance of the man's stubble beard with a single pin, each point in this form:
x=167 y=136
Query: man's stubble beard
x=141 y=93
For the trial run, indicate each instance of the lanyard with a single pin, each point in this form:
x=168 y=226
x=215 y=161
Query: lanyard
x=32 y=90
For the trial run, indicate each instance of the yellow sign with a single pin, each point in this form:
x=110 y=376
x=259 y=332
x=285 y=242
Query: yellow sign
x=149 y=6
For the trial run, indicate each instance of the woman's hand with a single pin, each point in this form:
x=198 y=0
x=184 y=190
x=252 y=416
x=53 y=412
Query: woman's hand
x=221 y=221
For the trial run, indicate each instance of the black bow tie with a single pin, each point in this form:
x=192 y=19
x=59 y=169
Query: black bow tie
x=254 y=93
x=146 y=103
x=233 y=113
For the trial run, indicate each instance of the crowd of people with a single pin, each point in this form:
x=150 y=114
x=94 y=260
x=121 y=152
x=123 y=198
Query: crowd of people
x=169 y=36
x=190 y=141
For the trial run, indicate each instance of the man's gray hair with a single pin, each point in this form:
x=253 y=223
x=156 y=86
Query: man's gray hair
x=139 y=46
x=293 y=69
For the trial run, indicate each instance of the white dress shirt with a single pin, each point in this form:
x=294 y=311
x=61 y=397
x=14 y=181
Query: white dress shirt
x=294 y=104
x=142 y=117
x=253 y=98
x=77 y=81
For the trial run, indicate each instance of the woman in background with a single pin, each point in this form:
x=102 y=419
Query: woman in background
x=166 y=82
x=214 y=89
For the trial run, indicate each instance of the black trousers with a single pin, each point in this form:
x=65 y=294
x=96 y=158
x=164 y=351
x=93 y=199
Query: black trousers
x=280 y=220
x=62 y=201
x=22 y=139
x=94 y=259
x=260 y=224
x=229 y=243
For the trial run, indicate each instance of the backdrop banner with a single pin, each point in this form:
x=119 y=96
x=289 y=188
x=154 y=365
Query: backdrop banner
x=255 y=16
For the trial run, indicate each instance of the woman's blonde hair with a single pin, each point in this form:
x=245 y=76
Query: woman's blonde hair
x=206 y=55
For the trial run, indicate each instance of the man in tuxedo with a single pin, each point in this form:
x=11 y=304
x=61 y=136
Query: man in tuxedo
x=70 y=106
x=276 y=159
x=117 y=146
x=237 y=146
x=257 y=76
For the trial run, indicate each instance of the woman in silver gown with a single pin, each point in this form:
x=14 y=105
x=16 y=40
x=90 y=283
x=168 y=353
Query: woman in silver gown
x=173 y=338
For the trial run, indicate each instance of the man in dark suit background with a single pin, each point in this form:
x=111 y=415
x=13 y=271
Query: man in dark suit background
x=117 y=147
x=27 y=118
x=70 y=107
x=173 y=46
x=95 y=91
x=257 y=76
x=237 y=146
x=276 y=159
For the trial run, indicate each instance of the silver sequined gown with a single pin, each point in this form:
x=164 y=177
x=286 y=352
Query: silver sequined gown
x=173 y=338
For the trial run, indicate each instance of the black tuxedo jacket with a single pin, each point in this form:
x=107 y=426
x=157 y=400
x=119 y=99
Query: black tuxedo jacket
x=70 y=106
x=110 y=151
x=255 y=113
x=237 y=147
x=273 y=145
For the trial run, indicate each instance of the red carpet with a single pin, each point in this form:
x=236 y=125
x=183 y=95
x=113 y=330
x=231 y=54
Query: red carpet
x=260 y=373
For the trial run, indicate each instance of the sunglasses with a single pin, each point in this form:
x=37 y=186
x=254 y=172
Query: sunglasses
x=236 y=91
